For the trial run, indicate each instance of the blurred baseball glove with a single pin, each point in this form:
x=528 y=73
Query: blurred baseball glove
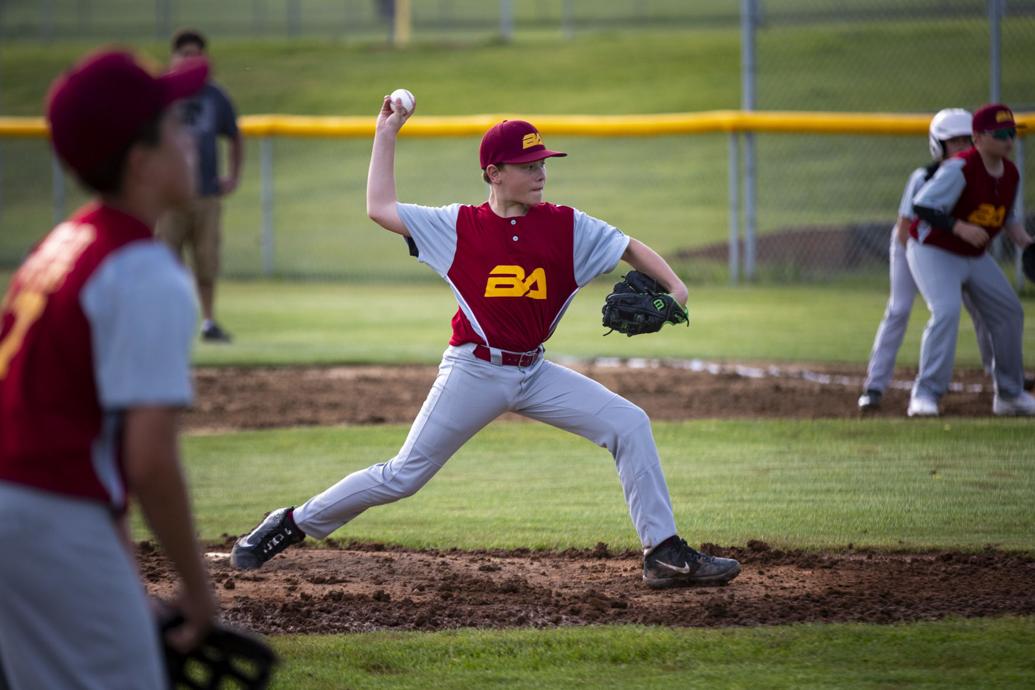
x=226 y=658
x=638 y=304
x=1028 y=262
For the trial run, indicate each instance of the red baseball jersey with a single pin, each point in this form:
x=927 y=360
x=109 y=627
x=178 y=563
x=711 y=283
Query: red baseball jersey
x=963 y=188
x=89 y=317
x=513 y=277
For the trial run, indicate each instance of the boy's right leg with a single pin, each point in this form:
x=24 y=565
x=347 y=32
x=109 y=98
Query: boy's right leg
x=939 y=275
x=892 y=328
x=576 y=403
x=464 y=398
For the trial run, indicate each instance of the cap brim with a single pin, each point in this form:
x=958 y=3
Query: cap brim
x=185 y=81
x=533 y=156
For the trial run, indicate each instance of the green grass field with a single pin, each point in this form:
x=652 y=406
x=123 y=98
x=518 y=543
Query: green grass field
x=959 y=484
x=331 y=322
x=807 y=484
x=945 y=654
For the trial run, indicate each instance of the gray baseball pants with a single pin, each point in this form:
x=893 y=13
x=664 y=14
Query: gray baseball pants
x=941 y=277
x=468 y=394
x=892 y=328
x=73 y=611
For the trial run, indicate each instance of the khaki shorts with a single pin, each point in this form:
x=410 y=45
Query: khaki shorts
x=197 y=226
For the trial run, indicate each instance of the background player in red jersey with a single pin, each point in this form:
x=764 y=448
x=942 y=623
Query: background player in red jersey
x=514 y=264
x=971 y=198
x=94 y=364
x=948 y=134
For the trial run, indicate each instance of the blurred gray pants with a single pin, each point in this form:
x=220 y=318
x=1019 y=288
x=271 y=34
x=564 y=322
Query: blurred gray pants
x=893 y=326
x=942 y=276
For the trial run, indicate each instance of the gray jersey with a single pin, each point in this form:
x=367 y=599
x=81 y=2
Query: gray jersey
x=913 y=185
x=141 y=308
x=598 y=245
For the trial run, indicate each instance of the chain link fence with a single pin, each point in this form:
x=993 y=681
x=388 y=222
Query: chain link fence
x=119 y=19
x=825 y=205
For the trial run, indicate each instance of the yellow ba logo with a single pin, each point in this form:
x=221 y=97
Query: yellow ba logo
x=987 y=215
x=1003 y=116
x=531 y=140
x=510 y=281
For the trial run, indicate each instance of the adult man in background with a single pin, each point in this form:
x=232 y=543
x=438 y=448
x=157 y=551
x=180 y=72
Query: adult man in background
x=209 y=115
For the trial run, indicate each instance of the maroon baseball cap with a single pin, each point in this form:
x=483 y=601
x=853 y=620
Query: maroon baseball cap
x=513 y=141
x=992 y=117
x=98 y=107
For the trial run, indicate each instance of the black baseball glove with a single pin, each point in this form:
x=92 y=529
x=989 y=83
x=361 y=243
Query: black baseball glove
x=1028 y=262
x=638 y=304
x=226 y=658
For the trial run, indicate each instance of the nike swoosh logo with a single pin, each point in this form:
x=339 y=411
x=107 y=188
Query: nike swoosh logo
x=685 y=570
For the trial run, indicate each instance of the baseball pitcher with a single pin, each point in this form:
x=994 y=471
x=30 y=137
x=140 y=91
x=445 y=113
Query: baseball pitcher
x=514 y=264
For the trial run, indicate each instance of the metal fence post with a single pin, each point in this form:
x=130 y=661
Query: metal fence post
x=163 y=19
x=734 y=242
x=57 y=189
x=1018 y=159
x=995 y=20
x=568 y=20
x=266 y=172
x=47 y=20
x=506 y=20
x=294 y=17
x=748 y=22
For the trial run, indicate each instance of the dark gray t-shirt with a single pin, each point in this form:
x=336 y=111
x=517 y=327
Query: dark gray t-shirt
x=210 y=115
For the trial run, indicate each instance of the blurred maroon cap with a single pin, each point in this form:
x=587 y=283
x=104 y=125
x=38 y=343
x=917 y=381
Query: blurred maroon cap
x=99 y=106
x=994 y=116
x=513 y=141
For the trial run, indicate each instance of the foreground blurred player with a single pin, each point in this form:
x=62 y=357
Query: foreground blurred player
x=971 y=198
x=948 y=134
x=94 y=365
x=514 y=264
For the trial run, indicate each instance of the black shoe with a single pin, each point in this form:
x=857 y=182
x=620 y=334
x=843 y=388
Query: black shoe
x=214 y=334
x=674 y=564
x=274 y=534
x=1029 y=383
x=870 y=400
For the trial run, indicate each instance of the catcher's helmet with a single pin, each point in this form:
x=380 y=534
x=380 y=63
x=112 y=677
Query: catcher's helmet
x=947 y=124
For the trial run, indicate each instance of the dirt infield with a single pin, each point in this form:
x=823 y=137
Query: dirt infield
x=360 y=587
x=369 y=587
x=255 y=398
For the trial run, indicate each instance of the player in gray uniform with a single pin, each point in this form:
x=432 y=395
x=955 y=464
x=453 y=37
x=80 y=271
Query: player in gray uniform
x=948 y=134
x=514 y=264
x=95 y=336
x=971 y=198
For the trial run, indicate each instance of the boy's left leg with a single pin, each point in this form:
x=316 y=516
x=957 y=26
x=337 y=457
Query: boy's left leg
x=566 y=399
x=573 y=402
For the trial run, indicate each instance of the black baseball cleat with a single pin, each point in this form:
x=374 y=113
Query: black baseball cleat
x=870 y=400
x=214 y=333
x=274 y=534
x=674 y=564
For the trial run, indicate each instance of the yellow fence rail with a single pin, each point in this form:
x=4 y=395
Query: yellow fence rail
x=736 y=124
x=714 y=121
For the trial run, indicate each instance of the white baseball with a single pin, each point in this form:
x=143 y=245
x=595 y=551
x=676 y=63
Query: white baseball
x=402 y=98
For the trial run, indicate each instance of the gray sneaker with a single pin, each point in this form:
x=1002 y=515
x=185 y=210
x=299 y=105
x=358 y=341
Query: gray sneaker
x=274 y=534
x=674 y=564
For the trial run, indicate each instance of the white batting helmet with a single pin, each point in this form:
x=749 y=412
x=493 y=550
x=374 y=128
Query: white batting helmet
x=948 y=124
